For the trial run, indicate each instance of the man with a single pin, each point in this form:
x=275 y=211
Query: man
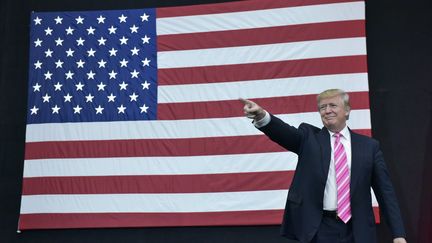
x=329 y=200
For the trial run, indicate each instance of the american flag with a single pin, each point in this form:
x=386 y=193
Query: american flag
x=134 y=118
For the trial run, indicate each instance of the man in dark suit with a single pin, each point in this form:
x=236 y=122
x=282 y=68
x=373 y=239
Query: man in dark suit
x=329 y=200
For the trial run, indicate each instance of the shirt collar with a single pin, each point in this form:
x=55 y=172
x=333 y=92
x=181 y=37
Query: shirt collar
x=344 y=132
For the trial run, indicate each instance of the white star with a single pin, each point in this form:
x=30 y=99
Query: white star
x=146 y=85
x=59 y=64
x=36 y=87
x=58 y=20
x=135 y=51
x=59 y=42
x=144 y=17
x=48 y=31
x=46 y=98
x=146 y=62
x=37 y=20
x=79 y=20
x=101 y=86
x=48 y=53
x=123 y=63
x=122 y=18
x=34 y=110
x=102 y=63
x=55 y=109
x=112 y=75
x=89 y=98
x=77 y=109
x=80 y=64
x=123 y=40
x=102 y=41
x=70 y=53
x=121 y=109
x=90 y=31
x=91 y=52
x=79 y=86
x=133 y=97
x=123 y=85
x=80 y=42
x=90 y=75
x=146 y=39
x=112 y=30
x=48 y=75
x=134 y=29
x=38 y=42
x=38 y=65
x=144 y=108
x=111 y=98
x=113 y=52
x=69 y=31
x=69 y=74
x=67 y=98
x=58 y=86
x=134 y=74
x=99 y=109
x=101 y=19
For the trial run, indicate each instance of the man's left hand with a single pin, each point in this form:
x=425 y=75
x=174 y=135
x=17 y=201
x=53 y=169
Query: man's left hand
x=399 y=240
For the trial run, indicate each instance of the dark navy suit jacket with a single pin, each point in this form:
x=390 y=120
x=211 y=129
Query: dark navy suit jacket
x=304 y=206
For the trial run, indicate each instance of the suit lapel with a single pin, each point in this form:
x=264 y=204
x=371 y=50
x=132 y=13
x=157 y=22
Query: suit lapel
x=356 y=148
x=324 y=141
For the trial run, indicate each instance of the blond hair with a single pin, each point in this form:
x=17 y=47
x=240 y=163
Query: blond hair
x=332 y=93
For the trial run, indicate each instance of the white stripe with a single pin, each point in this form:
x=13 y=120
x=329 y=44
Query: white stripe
x=374 y=200
x=277 y=161
x=134 y=203
x=262 y=53
x=198 y=128
x=268 y=88
x=260 y=18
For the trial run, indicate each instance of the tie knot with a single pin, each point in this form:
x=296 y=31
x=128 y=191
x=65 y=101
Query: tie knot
x=337 y=135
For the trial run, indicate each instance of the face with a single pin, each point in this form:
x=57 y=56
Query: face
x=333 y=113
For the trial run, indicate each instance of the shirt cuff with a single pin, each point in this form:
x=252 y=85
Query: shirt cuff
x=264 y=121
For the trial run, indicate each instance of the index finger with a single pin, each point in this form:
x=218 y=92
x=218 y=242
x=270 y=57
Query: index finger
x=245 y=101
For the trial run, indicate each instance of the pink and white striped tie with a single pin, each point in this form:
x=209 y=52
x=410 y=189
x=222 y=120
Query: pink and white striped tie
x=342 y=180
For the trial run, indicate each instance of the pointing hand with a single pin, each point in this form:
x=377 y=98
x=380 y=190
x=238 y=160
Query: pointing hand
x=252 y=110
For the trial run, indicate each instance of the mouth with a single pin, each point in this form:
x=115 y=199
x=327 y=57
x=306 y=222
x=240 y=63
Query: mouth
x=329 y=118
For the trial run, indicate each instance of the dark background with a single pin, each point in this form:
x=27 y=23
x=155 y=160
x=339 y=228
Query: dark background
x=399 y=39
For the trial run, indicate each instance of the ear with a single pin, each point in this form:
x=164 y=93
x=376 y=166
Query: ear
x=347 y=112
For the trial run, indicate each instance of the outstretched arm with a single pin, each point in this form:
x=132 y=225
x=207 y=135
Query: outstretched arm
x=280 y=132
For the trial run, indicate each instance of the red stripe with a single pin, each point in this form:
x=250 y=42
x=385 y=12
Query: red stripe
x=366 y=132
x=151 y=147
x=376 y=211
x=238 y=6
x=230 y=182
x=230 y=108
x=110 y=220
x=266 y=70
x=260 y=36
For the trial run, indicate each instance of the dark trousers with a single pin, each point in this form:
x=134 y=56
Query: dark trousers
x=333 y=230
